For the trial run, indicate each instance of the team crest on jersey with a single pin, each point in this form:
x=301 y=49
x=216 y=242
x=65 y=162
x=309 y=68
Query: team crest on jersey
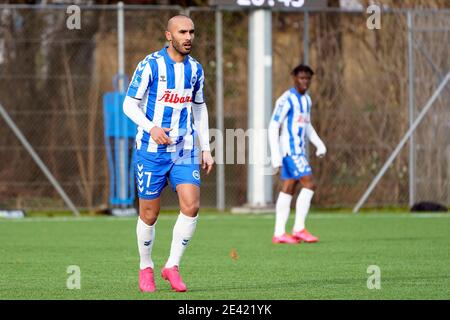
x=196 y=175
x=193 y=80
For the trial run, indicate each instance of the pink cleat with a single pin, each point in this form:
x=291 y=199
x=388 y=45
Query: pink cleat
x=147 y=280
x=285 y=238
x=173 y=276
x=305 y=236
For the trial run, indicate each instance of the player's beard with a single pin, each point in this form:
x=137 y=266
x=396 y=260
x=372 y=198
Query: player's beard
x=179 y=47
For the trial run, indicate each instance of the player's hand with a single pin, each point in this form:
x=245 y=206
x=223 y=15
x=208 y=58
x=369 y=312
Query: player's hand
x=321 y=151
x=159 y=135
x=207 y=161
x=276 y=165
x=275 y=170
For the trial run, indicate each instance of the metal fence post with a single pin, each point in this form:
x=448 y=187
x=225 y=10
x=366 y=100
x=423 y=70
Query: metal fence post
x=120 y=45
x=220 y=174
x=306 y=37
x=259 y=190
x=412 y=147
x=306 y=53
x=123 y=143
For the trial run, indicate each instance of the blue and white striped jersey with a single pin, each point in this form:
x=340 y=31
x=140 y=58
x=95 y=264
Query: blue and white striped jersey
x=167 y=90
x=293 y=113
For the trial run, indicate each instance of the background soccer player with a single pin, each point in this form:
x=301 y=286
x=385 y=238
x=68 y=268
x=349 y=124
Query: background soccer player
x=292 y=114
x=165 y=100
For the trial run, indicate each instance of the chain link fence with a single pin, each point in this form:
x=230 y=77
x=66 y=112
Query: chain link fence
x=431 y=63
x=52 y=80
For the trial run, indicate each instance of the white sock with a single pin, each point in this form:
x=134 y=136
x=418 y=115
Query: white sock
x=182 y=232
x=283 y=208
x=145 y=238
x=301 y=208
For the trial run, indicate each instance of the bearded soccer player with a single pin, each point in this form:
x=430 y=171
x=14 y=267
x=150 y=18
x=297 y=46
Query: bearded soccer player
x=293 y=114
x=165 y=100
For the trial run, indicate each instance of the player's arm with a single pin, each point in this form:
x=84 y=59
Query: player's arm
x=200 y=113
x=282 y=107
x=133 y=111
x=141 y=80
x=316 y=141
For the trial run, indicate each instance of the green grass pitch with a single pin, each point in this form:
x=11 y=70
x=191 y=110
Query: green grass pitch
x=231 y=257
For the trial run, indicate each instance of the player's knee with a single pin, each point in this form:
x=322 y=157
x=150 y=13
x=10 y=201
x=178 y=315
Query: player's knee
x=190 y=209
x=310 y=185
x=149 y=215
x=288 y=188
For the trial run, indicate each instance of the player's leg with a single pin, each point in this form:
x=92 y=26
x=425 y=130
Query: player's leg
x=150 y=181
x=283 y=204
x=189 y=199
x=185 y=180
x=183 y=230
x=145 y=230
x=302 y=208
x=282 y=210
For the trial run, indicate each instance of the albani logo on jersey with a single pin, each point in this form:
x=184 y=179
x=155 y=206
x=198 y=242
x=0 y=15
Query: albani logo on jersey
x=170 y=97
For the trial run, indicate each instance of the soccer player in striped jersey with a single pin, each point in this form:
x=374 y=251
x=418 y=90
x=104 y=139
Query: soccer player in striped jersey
x=293 y=114
x=165 y=100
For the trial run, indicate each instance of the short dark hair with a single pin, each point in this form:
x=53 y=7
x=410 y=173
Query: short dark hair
x=302 y=68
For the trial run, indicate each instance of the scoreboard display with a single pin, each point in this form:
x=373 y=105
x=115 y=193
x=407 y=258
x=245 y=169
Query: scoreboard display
x=267 y=4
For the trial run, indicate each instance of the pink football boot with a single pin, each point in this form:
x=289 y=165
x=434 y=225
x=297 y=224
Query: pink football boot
x=285 y=238
x=173 y=276
x=305 y=236
x=147 y=280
